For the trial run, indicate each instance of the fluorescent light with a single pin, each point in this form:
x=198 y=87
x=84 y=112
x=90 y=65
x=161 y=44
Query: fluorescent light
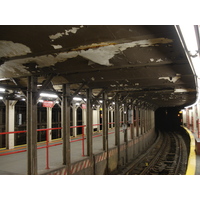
x=41 y=100
x=1 y=98
x=189 y=36
x=2 y=90
x=77 y=99
x=48 y=95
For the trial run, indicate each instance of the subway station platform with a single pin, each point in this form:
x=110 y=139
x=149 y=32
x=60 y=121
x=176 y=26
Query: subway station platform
x=16 y=164
x=194 y=157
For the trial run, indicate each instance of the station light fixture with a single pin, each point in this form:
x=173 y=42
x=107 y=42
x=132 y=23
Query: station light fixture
x=190 y=39
x=1 y=98
x=2 y=89
x=77 y=99
x=49 y=95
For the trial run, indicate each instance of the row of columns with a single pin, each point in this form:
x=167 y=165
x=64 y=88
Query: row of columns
x=144 y=120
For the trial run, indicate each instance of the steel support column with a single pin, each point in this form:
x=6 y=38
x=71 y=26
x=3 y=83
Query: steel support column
x=125 y=123
x=137 y=121
x=125 y=129
x=89 y=122
x=66 y=127
x=117 y=130
x=105 y=122
x=32 y=126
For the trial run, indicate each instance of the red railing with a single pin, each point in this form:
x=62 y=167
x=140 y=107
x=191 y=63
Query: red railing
x=47 y=140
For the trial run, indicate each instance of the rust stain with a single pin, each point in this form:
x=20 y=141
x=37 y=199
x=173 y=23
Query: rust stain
x=94 y=45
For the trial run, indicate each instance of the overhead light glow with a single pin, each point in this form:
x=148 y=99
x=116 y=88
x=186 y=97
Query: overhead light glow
x=2 y=90
x=188 y=33
x=49 y=95
x=188 y=37
x=77 y=99
x=1 y=98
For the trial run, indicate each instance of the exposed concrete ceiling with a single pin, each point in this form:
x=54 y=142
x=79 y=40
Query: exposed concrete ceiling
x=144 y=63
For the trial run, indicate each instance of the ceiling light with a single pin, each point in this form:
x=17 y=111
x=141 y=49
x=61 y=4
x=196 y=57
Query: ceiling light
x=189 y=36
x=77 y=99
x=49 y=95
x=2 y=90
x=1 y=98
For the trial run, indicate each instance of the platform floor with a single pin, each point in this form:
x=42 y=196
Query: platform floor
x=16 y=164
x=197 y=156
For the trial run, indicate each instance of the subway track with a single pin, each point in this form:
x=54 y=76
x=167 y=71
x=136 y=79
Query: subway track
x=167 y=156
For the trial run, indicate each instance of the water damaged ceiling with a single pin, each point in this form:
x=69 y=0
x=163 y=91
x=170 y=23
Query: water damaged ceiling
x=141 y=63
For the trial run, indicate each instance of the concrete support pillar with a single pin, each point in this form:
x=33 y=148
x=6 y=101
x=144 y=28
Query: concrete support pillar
x=120 y=115
x=84 y=117
x=10 y=123
x=74 y=120
x=32 y=126
x=49 y=122
x=187 y=118
x=66 y=127
x=1 y=129
x=198 y=118
x=111 y=117
x=89 y=123
x=194 y=118
x=98 y=117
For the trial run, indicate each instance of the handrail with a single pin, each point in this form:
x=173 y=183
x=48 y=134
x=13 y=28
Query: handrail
x=47 y=140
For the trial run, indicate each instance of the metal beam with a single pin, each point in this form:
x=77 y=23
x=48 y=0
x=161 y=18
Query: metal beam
x=32 y=126
x=79 y=89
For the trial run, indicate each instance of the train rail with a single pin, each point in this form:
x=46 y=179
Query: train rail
x=168 y=156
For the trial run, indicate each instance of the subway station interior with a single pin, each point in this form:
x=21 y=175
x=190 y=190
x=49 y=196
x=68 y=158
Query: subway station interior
x=91 y=99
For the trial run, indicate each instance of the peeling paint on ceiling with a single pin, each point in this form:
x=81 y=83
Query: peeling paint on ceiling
x=171 y=79
x=100 y=55
x=66 y=32
x=56 y=46
x=10 y=49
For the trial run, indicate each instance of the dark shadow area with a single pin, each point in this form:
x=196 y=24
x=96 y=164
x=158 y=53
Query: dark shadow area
x=168 y=119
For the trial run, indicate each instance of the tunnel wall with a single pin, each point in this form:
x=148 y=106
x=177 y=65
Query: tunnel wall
x=98 y=164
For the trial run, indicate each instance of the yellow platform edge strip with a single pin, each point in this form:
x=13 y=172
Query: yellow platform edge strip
x=191 y=168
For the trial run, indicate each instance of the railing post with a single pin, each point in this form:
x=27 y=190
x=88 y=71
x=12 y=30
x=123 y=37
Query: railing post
x=47 y=149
